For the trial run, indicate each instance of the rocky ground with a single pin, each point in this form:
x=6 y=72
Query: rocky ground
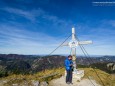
x=83 y=82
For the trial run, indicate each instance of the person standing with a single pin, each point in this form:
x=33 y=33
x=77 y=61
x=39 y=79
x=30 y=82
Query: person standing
x=69 y=69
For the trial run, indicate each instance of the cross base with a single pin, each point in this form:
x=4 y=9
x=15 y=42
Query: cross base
x=78 y=75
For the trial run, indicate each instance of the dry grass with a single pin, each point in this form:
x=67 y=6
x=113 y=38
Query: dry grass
x=107 y=79
x=47 y=75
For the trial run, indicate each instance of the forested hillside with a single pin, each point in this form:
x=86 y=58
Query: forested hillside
x=29 y=64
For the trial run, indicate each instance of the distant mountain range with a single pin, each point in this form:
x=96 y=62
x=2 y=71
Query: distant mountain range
x=24 y=64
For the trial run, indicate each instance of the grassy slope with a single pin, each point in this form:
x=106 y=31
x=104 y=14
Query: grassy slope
x=47 y=75
x=107 y=79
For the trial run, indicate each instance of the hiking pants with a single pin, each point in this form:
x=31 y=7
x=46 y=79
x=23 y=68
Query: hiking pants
x=69 y=76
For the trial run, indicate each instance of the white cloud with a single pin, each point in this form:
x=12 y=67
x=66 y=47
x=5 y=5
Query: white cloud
x=108 y=22
x=34 y=15
x=15 y=40
x=18 y=40
x=31 y=15
x=28 y=42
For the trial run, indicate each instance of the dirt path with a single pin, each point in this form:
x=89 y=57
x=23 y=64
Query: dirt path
x=61 y=82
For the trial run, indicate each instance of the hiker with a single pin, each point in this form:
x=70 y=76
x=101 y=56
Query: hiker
x=69 y=66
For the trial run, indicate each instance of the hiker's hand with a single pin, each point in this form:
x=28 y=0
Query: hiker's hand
x=71 y=64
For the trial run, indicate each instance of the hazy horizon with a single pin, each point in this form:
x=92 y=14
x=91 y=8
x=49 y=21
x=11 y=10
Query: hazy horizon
x=57 y=54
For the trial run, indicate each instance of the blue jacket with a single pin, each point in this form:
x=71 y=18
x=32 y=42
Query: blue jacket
x=67 y=64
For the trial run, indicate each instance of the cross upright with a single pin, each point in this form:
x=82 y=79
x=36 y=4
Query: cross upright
x=73 y=44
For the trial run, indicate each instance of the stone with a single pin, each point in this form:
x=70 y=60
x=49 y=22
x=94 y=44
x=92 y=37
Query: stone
x=14 y=84
x=44 y=84
x=35 y=83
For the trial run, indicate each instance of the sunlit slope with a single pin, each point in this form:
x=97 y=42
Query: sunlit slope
x=48 y=75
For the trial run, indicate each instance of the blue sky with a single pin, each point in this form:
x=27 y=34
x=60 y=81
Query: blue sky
x=39 y=26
